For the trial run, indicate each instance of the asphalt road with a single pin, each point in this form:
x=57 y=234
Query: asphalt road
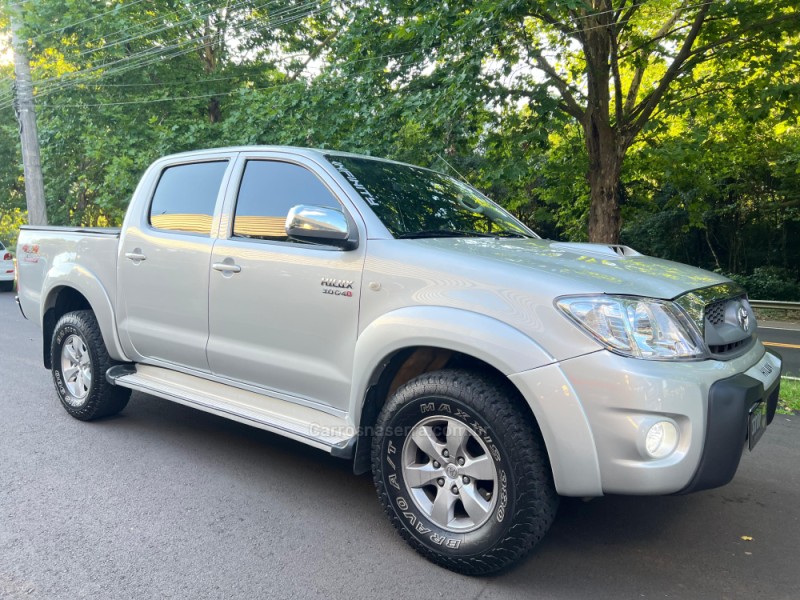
x=167 y=502
x=785 y=339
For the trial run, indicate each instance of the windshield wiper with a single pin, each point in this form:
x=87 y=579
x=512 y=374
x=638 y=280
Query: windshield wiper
x=512 y=234
x=434 y=233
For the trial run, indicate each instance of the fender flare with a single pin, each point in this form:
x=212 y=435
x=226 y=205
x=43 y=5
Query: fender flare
x=496 y=343
x=530 y=368
x=85 y=282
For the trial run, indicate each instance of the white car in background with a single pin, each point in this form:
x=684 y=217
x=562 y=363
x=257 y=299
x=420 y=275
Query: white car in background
x=6 y=269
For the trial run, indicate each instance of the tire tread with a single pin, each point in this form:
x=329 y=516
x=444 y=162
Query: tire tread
x=104 y=399
x=535 y=501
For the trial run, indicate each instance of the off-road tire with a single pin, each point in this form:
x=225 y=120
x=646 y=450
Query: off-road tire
x=100 y=398
x=525 y=500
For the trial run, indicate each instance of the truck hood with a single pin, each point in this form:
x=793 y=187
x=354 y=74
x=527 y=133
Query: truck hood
x=582 y=267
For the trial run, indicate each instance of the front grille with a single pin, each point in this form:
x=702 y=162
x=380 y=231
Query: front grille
x=715 y=313
x=723 y=316
x=723 y=349
x=728 y=327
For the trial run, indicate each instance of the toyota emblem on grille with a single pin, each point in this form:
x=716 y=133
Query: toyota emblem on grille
x=744 y=318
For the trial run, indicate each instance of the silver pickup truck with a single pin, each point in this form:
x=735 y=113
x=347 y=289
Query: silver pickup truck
x=396 y=317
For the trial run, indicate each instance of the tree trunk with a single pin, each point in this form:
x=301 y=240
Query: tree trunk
x=214 y=110
x=606 y=153
x=604 y=145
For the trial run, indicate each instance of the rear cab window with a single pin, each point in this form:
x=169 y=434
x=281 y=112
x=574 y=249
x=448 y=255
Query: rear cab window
x=185 y=197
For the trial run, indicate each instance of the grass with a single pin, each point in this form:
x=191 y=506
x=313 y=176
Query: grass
x=789 y=401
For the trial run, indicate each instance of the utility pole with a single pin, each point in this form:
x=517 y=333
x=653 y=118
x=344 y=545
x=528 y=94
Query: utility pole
x=26 y=114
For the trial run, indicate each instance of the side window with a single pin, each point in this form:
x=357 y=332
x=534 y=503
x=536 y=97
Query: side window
x=268 y=190
x=185 y=197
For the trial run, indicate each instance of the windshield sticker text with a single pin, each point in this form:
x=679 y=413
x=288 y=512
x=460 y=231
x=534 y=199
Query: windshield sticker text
x=365 y=193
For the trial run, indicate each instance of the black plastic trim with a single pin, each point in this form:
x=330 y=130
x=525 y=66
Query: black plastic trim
x=19 y=304
x=346 y=450
x=729 y=403
x=118 y=371
x=774 y=392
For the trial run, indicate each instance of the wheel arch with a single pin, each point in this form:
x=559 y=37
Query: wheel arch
x=64 y=296
x=409 y=342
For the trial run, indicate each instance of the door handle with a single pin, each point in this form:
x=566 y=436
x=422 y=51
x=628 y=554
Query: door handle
x=226 y=267
x=135 y=256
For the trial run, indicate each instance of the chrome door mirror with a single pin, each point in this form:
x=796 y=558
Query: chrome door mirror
x=321 y=225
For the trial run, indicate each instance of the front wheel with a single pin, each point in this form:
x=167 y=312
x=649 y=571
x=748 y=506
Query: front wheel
x=462 y=471
x=79 y=362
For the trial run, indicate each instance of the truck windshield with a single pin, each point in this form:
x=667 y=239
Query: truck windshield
x=414 y=202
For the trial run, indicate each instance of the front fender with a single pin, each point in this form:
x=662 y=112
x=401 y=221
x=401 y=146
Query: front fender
x=535 y=373
x=87 y=283
x=494 y=342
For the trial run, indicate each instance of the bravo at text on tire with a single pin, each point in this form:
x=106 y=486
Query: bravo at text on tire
x=79 y=362
x=462 y=472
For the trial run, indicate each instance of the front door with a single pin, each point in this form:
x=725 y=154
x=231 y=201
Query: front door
x=283 y=315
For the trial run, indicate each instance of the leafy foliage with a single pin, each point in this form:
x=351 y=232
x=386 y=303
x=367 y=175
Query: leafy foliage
x=557 y=110
x=10 y=222
x=773 y=283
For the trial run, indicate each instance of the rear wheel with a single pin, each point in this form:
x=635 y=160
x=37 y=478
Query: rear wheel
x=79 y=362
x=6 y=286
x=462 y=471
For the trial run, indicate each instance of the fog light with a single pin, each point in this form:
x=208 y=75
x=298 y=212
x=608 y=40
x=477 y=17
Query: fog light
x=661 y=439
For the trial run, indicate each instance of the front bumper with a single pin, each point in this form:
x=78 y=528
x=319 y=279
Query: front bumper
x=594 y=412
x=729 y=404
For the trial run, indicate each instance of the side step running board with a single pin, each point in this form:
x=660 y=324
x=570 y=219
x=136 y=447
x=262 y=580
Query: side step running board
x=313 y=427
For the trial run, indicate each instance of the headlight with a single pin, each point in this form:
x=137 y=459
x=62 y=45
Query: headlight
x=637 y=327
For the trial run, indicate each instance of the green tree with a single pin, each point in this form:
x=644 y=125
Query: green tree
x=609 y=64
x=703 y=147
x=120 y=83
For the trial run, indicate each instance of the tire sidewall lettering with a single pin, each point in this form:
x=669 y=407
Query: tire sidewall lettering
x=64 y=332
x=60 y=335
x=416 y=522
x=500 y=514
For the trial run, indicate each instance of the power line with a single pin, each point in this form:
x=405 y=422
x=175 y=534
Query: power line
x=151 y=56
x=155 y=49
x=75 y=24
x=158 y=54
x=150 y=32
x=5 y=96
x=147 y=61
x=124 y=30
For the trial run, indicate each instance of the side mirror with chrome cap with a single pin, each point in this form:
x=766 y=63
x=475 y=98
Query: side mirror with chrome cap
x=320 y=225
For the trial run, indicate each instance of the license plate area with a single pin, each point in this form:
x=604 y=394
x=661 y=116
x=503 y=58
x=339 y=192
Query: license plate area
x=756 y=423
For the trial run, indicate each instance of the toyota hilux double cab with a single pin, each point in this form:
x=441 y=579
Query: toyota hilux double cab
x=396 y=317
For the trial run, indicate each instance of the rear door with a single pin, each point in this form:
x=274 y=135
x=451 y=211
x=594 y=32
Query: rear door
x=273 y=321
x=164 y=263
